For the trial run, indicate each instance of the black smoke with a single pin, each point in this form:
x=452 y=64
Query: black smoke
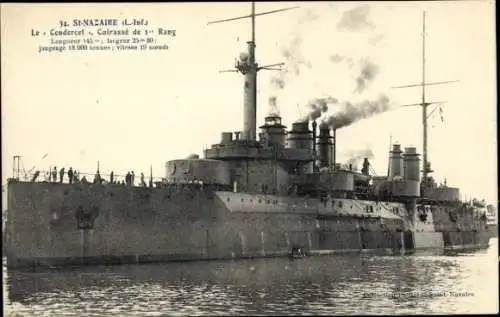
x=368 y=72
x=318 y=107
x=354 y=20
x=351 y=112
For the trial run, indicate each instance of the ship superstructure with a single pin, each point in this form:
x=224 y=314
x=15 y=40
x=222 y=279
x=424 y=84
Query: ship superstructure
x=251 y=195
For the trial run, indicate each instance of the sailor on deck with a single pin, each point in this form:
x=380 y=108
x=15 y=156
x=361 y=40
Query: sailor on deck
x=61 y=175
x=70 y=175
x=128 y=178
x=54 y=174
x=143 y=183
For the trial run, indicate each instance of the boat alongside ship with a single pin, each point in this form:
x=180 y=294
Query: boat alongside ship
x=282 y=194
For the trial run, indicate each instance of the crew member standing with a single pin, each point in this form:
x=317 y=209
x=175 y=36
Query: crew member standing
x=127 y=178
x=54 y=174
x=70 y=175
x=61 y=175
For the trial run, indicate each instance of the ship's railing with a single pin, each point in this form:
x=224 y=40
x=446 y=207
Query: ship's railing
x=119 y=179
x=79 y=176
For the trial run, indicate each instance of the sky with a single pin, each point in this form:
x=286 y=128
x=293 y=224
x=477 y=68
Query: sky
x=132 y=110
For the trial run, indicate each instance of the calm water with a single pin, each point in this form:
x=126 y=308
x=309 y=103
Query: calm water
x=328 y=285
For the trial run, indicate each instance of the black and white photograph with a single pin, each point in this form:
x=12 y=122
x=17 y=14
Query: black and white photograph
x=249 y=158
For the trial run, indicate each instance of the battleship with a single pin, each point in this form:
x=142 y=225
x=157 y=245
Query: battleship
x=279 y=193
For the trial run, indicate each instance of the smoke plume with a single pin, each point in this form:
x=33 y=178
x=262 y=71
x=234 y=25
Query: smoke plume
x=273 y=107
x=356 y=19
x=277 y=84
x=299 y=58
x=294 y=59
x=323 y=125
x=350 y=112
x=293 y=56
x=368 y=72
x=317 y=107
x=360 y=154
x=336 y=58
x=357 y=157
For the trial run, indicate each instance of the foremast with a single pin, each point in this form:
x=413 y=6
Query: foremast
x=247 y=66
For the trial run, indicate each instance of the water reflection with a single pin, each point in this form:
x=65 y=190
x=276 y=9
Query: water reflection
x=317 y=285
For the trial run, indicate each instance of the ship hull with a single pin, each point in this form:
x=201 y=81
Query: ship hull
x=493 y=230
x=120 y=224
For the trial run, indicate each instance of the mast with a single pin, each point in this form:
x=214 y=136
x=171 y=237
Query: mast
x=249 y=69
x=253 y=24
x=425 y=169
x=424 y=104
x=247 y=66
